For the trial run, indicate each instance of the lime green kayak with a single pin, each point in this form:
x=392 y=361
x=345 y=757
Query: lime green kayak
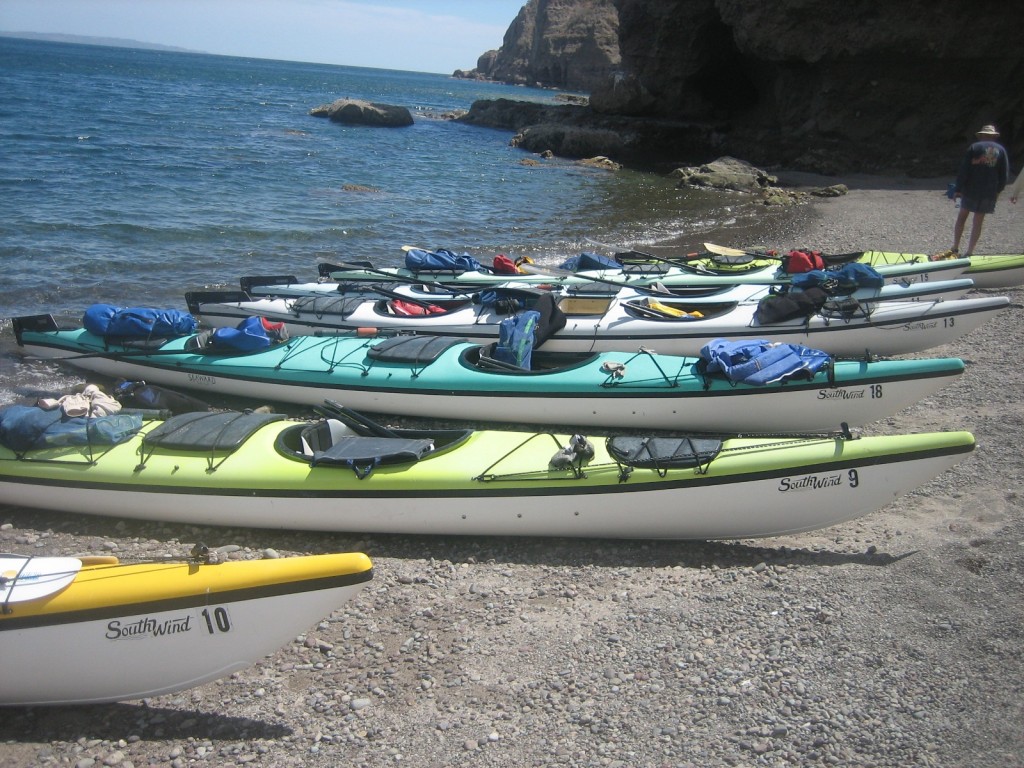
x=988 y=270
x=345 y=473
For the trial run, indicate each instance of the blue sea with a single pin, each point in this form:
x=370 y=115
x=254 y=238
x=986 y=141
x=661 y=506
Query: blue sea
x=130 y=176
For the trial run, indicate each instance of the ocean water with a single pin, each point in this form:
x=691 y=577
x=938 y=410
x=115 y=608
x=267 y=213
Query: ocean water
x=130 y=176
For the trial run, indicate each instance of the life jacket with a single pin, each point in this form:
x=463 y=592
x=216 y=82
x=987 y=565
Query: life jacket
x=411 y=309
x=503 y=265
x=761 y=362
x=802 y=261
x=516 y=339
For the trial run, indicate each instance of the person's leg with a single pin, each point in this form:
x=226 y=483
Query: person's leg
x=958 y=227
x=976 y=222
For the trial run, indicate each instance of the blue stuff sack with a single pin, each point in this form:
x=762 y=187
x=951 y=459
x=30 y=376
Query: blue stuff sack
x=441 y=260
x=845 y=279
x=859 y=275
x=249 y=335
x=26 y=427
x=516 y=339
x=106 y=320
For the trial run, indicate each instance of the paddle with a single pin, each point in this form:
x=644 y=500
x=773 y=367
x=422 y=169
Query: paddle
x=737 y=255
x=326 y=270
x=25 y=578
x=724 y=250
x=641 y=257
x=624 y=283
x=683 y=265
x=424 y=303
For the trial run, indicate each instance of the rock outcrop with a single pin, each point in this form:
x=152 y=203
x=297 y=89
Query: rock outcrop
x=568 y=44
x=865 y=85
x=358 y=112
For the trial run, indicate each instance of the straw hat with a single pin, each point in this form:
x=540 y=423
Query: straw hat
x=988 y=130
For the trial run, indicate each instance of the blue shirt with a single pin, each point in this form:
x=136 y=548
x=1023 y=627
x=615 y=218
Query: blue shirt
x=983 y=171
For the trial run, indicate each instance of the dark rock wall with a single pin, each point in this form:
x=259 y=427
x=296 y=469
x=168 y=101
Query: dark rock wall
x=874 y=84
x=820 y=84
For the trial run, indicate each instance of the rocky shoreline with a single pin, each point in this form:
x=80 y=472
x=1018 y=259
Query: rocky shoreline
x=892 y=640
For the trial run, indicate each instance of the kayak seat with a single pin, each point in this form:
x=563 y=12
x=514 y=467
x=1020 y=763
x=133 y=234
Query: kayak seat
x=207 y=431
x=331 y=443
x=356 y=450
x=485 y=362
x=663 y=452
x=318 y=437
x=346 y=438
x=412 y=349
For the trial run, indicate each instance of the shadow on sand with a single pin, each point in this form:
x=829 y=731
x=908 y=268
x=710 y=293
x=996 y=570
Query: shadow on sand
x=113 y=721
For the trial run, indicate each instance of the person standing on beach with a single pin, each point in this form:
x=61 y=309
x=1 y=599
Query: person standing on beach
x=983 y=174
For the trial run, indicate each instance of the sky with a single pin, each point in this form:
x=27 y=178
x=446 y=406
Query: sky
x=417 y=35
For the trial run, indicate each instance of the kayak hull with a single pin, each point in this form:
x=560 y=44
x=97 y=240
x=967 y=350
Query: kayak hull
x=987 y=270
x=493 y=483
x=891 y=328
x=648 y=391
x=120 y=632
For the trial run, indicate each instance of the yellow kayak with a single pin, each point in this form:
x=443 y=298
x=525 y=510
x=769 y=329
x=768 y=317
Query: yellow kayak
x=89 y=630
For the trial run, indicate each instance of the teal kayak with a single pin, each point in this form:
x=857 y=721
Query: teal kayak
x=446 y=377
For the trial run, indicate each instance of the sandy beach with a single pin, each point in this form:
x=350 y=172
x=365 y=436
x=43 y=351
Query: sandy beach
x=893 y=640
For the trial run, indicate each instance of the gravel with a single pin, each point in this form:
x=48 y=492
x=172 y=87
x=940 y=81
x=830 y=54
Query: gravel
x=893 y=640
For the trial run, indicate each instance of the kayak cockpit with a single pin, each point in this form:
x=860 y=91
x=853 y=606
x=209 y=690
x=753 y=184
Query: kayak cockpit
x=650 y=308
x=345 y=438
x=482 y=358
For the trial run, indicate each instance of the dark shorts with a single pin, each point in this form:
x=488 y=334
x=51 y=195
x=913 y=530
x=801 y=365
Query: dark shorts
x=978 y=204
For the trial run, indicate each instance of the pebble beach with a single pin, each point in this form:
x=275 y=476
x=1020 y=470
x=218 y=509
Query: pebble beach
x=892 y=640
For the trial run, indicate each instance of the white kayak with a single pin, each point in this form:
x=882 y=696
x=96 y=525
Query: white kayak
x=286 y=286
x=91 y=630
x=705 y=272
x=668 y=326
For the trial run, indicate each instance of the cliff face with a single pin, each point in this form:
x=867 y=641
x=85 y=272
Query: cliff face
x=857 y=85
x=886 y=82
x=568 y=44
